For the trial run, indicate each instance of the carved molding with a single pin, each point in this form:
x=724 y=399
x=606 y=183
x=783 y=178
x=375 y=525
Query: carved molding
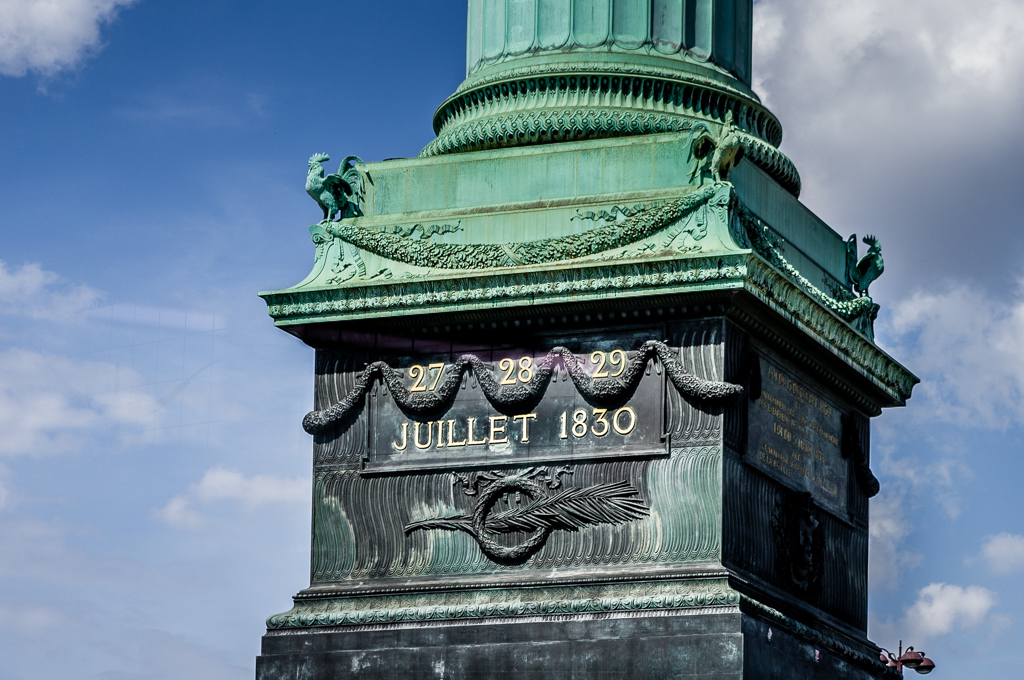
x=859 y=350
x=491 y=75
x=531 y=109
x=596 y=83
x=504 y=286
x=849 y=309
x=507 y=603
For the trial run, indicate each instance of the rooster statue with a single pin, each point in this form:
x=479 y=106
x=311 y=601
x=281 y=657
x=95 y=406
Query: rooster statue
x=718 y=155
x=337 y=195
x=864 y=271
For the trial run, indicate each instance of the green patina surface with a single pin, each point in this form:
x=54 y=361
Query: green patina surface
x=632 y=217
x=596 y=153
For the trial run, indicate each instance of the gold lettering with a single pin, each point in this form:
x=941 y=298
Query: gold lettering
x=451 y=434
x=405 y=438
x=509 y=367
x=417 y=373
x=495 y=430
x=430 y=435
x=618 y=358
x=440 y=434
x=526 y=429
x=628 y=410
x=471 y=424
x=579 y=423
x=440 y=371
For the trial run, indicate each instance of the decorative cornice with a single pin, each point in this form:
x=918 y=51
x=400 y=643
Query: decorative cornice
x=512 y=286
x=506 y=603
x=771 y=286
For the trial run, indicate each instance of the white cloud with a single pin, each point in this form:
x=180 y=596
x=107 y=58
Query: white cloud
x=32 y=291
x=222 y=484
x=47 y=36
x=178 y=513
x=1004 y=553
x=939 y=609
x=966 y=347
x=900 y=117
x=48 y=403
x=858 y=58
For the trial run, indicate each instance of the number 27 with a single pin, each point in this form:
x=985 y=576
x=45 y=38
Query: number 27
x=418 y=373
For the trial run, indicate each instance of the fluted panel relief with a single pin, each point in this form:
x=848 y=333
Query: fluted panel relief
x=345 y=442
x=701 y=352
x=334 y=544
x=359 y=521
x=718 y=31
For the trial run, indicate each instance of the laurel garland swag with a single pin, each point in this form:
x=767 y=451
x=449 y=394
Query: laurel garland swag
x=424 y=253
x=508 y=397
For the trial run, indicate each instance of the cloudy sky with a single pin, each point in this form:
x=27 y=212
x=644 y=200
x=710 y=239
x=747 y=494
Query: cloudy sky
x=154 y=480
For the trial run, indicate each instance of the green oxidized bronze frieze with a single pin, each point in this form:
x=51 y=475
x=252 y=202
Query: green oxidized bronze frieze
x=422 y=253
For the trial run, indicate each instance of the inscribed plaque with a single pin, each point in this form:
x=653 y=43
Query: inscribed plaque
x=560 y=424
x=794 y=436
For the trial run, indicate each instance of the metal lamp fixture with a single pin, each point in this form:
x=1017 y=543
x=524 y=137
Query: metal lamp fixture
x=910 y=658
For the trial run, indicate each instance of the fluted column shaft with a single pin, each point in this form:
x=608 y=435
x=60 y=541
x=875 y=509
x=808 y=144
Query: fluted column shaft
x=716 y=31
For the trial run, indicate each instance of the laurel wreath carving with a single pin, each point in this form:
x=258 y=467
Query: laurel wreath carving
x=509 y=397
x=569 y=510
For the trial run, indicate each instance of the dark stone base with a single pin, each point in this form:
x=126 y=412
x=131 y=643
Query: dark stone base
x=726 y=645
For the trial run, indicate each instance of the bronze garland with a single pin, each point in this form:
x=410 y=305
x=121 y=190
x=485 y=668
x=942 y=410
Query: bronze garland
x=600 y=390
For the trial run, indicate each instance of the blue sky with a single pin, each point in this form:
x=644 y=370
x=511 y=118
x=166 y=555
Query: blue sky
x=154 y=479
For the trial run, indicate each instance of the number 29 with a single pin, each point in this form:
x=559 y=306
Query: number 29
x=601 y=359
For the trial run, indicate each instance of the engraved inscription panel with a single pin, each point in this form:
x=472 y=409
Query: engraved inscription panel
x=794 y=436
x=559 y=424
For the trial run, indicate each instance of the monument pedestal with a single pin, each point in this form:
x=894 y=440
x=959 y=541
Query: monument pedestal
x=691 y=645
x=595 y=408
x=713 y=642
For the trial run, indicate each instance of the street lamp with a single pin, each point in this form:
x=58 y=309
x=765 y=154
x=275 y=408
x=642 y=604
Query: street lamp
x=909 y=658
